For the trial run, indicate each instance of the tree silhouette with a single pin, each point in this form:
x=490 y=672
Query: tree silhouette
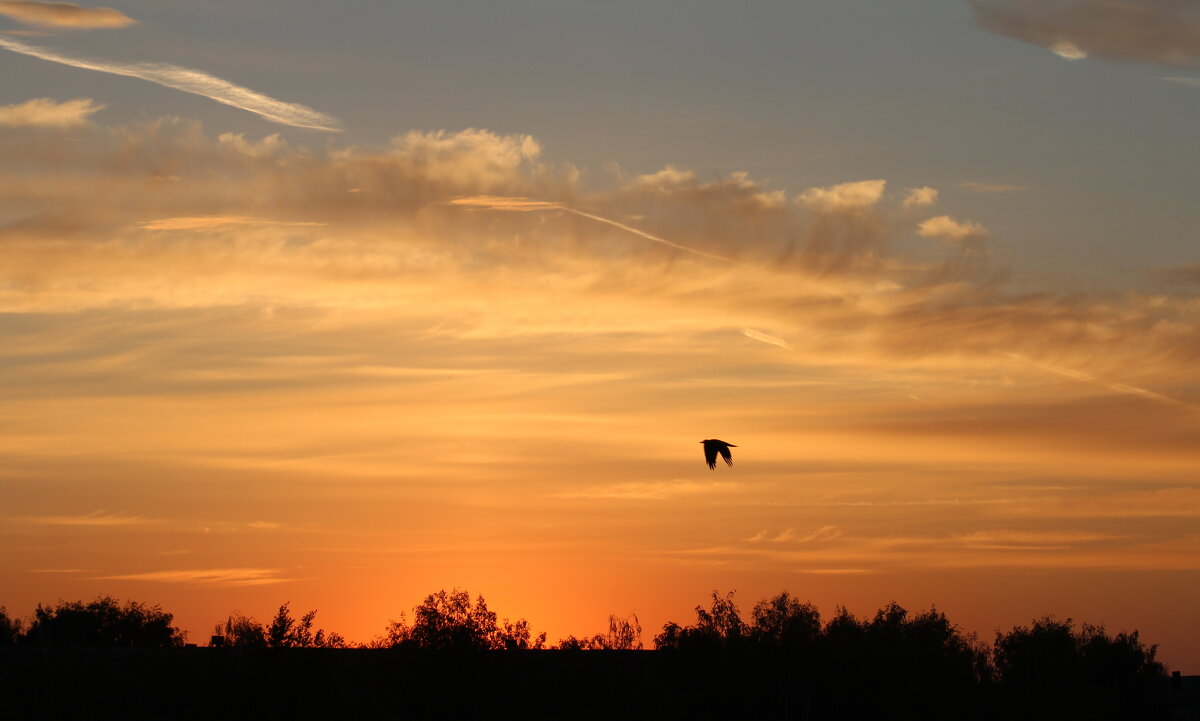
x=11 y=629
x=284 y=631
x=1049 y=670
x=241 y=632
x=102 y=622
x=786 y=622
x=624 y=634
x=720 y=626
x=287 y=632
x=449 y=620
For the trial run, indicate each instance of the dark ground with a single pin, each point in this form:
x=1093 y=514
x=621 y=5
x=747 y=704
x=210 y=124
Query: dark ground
x=204 y=683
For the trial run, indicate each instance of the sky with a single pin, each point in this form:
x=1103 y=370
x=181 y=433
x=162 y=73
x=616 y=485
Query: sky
x=341 y=305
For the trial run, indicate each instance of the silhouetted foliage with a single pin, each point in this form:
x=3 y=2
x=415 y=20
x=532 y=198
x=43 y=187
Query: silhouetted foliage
x=287 y=632
x=449 y=620
x=10 y=628
x=1049 y=669
x=783 y=663
x=624 y=634
x=102 y=622
x=786 y=622
x=716 y=627
x=284 y=631
x=241 y=632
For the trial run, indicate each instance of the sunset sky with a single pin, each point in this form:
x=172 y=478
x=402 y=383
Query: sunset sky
x=342 y=304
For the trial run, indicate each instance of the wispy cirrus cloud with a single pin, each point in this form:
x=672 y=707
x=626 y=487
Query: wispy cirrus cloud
x=1189 y=82
x=63 y=15
x=49 y=113
x=206 y=576
x=96 y=518
x=192 y=81
x=1032 y=540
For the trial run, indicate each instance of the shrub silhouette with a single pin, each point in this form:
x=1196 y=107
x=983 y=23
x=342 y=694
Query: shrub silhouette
x=102 y=622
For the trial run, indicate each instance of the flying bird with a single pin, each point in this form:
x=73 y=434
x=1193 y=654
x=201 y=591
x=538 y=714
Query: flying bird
x=712 y=447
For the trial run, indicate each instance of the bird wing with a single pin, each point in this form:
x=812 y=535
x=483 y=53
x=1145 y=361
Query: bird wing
x=710 y=454
x=726 y=455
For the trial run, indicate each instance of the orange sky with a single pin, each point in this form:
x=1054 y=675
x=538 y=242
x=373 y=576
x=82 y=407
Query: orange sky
x=239 y=372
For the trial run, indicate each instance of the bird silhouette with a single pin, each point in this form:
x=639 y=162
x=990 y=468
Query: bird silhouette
x=712 y=447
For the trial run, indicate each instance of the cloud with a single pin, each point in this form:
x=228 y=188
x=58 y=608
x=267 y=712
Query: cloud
x=765 y=338
x=1189 y=82
x=96 y=518
x=190 y=81
x=669 y=178
x=824 y=533
x=496 y=202
x=1160 y=31
x=1032 y=540
x=1182 y=275
x=47 y=112
x=844 y=196
x=425 y=238
x=949 y=230
x=650 y=491
x=206 y=576
x=1116 y=387
x=219 y=221
x=920 y=196
x=63 y=15
x=1067 y=50
x=492 y=202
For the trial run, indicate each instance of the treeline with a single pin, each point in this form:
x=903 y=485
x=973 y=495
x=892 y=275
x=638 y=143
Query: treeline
x=782 y=660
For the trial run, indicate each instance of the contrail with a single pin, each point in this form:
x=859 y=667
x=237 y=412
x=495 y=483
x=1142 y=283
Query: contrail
x=525 y=205
x=765 y=338
x=196 y=82
x=647 y=236
x=1111 y=385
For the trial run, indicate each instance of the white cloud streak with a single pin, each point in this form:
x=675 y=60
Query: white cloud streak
x=196 y=82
